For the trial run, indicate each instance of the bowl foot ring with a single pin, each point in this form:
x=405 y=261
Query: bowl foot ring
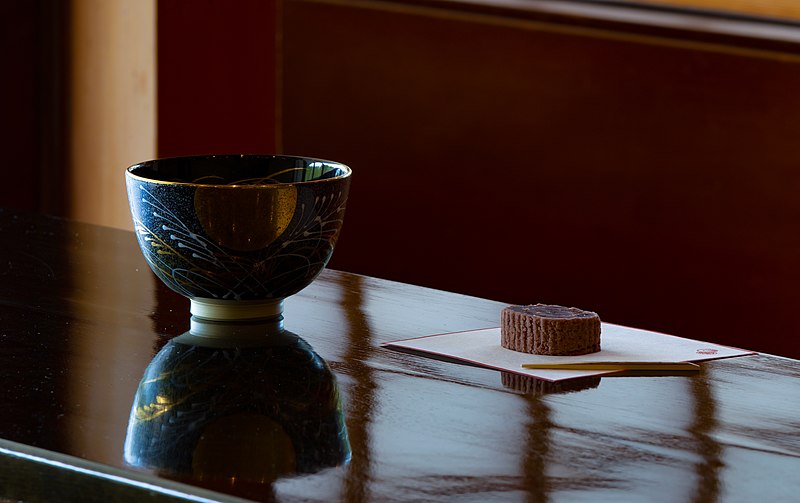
x=233 y=310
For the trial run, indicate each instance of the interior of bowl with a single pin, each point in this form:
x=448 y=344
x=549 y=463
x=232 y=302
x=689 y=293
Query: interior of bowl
x=238 y=170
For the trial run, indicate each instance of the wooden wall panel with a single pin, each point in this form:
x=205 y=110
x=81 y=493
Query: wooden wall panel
x=31 y=125
x=778 y=9
x=651 y=179
x=175 y=77
x=19 y=131
x=111 y=106
x=216 y=77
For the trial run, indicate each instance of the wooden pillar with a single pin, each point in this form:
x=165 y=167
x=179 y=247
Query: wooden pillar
x=111 y=104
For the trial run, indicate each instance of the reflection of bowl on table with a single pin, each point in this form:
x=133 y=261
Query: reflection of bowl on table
x=237 y=234
x=235 y=405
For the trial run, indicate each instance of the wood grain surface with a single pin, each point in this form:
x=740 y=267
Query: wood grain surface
x=82 y=317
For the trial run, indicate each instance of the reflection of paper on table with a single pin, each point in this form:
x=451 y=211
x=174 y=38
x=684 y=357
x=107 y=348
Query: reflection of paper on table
x=618 y=344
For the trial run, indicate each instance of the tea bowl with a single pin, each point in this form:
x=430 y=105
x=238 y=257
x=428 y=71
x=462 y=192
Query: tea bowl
x=237 y=234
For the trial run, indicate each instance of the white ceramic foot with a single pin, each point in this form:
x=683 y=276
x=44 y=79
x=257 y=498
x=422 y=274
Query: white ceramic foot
x=232 y=310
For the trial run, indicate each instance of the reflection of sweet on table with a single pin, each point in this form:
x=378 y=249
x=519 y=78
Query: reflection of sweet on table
x=531 y=385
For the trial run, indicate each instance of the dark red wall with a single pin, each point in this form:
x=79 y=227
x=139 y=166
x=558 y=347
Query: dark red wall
x=216 y=77
x=22 y=96
x=654 y=183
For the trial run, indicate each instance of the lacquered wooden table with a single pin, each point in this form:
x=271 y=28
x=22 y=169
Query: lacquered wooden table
x=82 y=320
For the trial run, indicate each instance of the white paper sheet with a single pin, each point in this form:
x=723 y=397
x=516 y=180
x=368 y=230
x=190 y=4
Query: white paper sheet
x=618 y=344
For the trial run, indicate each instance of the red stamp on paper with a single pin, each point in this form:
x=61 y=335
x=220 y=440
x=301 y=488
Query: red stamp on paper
x=707 y=351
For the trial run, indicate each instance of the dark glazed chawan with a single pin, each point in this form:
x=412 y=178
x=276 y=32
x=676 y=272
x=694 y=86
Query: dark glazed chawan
x=237 y=234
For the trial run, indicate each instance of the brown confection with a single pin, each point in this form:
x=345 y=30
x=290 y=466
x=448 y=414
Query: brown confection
x=550 y=330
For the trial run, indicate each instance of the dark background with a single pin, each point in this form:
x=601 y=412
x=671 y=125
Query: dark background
x=645 y=171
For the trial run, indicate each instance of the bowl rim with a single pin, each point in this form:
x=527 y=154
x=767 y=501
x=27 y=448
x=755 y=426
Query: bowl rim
x=130 y=174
